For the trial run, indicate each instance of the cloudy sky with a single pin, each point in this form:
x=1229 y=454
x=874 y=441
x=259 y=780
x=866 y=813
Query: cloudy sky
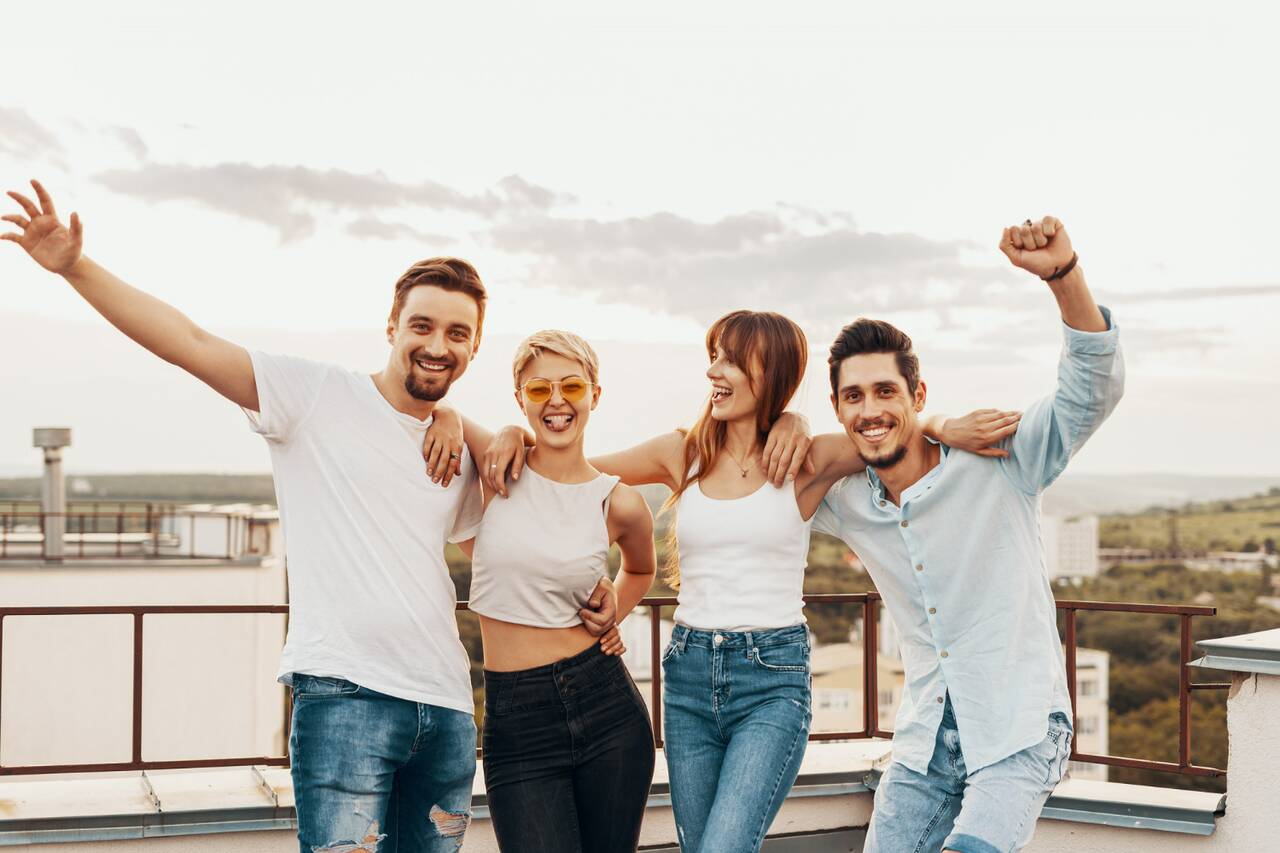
x=272 y=168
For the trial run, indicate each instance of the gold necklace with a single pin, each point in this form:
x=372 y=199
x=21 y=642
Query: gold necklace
x=746 y=470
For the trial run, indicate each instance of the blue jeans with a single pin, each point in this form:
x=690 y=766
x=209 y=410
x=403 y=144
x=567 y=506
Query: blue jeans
x=376 y=774
x=737 y=721
x=991 y=810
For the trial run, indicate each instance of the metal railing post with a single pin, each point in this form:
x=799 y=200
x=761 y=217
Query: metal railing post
x=655 y=670
x=1071 y=673
x=870 y=667
x=1184 y=694
x=137 y=687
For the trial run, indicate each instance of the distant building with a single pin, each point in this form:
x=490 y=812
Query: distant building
x=1133 y=556
x=209 y=687
x=1233 y=561
x=1093 y=693
x=1070 y=545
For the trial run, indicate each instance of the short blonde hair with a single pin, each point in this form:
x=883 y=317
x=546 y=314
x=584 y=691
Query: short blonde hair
x=554 y=341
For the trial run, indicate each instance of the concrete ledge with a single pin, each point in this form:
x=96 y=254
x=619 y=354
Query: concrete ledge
x=1257 y=653
x=1136 y=807
x=827 y=809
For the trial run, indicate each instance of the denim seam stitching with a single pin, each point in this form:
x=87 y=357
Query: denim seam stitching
x=777 y=783
x=1027 y=813
x=755 y=656
x=933 y=822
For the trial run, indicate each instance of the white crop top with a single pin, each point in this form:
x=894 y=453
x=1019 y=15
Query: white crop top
x=742 y=560
x=540 y=552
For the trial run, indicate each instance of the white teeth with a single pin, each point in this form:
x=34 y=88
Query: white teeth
x=432 y=366
x=558 y=422
x=874 y=432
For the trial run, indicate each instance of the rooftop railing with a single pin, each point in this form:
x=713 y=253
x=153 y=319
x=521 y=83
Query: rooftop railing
x=869 y=603
x=125 y=530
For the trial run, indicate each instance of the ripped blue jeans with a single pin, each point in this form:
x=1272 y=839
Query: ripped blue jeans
x=376 y=774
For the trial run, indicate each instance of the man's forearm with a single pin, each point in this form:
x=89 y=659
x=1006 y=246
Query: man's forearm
x=167 y=332
x=1079 y=311
x=155 y=325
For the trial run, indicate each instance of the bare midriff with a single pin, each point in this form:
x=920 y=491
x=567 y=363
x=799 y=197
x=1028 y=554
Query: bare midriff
x=509 y=647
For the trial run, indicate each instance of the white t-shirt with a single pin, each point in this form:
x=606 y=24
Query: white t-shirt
x=370 y=596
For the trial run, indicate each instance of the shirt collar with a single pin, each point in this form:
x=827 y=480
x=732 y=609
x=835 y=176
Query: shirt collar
x=919 y=486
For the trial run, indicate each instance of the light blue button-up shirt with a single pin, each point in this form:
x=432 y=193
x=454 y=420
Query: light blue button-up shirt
x=960 y=565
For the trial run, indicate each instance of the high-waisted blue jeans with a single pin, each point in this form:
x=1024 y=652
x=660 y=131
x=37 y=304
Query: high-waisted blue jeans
x=376 y=774
x=737 y=715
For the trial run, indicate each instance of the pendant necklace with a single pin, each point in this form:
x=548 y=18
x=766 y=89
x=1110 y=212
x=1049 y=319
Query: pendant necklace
x=745 y=470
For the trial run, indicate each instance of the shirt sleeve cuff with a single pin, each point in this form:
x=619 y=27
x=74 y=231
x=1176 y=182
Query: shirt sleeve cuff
x=1093 y=343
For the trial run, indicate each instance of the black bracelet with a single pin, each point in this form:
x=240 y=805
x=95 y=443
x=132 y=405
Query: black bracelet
x=1062 y=273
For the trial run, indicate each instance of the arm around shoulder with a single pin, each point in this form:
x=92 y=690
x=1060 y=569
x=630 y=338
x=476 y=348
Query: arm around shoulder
x=658 y=460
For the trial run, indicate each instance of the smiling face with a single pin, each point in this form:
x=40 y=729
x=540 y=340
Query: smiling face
x=877 y=409
x=432 y=340
x=733 y=394
x=557 y=422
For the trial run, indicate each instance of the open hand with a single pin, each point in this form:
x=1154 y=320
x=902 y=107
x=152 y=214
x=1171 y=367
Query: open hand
x=1041 y=247
x=442 y=445
x=506 y=451
x=53 y=245
x=611 y=643
x=980 y=431
x=787 y=449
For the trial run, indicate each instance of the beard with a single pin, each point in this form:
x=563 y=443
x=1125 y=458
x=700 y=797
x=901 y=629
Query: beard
x=885 y=460
x=427 y=391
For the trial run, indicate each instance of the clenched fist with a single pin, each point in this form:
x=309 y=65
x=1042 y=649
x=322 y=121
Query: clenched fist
x=1041 y=247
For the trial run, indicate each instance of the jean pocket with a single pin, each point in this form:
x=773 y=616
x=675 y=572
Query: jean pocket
x=670 y=651
x=322 y=687
x=786 y=657
x=1057 y=749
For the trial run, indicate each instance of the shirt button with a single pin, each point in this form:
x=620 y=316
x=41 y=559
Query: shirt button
x=945 y=655
x=919 y=567
x=904 y=523
x=881 y=503
x=932 y=610
x=939 y=700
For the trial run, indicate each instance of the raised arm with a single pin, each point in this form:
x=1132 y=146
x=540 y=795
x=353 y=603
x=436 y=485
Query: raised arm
x=1090 y=369
x=157 y=326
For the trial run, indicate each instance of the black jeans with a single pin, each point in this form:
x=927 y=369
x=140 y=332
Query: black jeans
x=568 y=756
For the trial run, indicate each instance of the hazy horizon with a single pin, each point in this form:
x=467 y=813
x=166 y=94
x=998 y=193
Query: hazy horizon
x=630 y=176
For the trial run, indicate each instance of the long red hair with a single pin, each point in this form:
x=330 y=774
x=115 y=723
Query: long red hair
x=773 y=352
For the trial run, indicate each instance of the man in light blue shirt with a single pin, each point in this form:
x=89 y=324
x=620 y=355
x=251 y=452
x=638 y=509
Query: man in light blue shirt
x=953 y=543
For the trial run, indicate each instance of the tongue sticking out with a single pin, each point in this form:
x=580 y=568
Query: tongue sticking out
x=558 y=423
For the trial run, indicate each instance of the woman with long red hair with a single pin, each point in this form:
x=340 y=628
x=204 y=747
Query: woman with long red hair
x=736 y=672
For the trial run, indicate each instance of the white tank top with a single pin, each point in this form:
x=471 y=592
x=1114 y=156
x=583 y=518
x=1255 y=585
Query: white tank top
x=540 y=552
x=742 y=560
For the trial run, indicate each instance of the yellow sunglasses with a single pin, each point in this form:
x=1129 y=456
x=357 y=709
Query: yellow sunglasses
x=572 y=389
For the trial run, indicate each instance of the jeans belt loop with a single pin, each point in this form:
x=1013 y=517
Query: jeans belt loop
x=683 y=639
x=751 y=644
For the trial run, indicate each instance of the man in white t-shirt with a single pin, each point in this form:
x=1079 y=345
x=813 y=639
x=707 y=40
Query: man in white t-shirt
x=383 y=737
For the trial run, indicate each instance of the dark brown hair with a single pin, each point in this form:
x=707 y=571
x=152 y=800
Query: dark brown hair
x=752 y=340
x=864 y=336
x=452 y=274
